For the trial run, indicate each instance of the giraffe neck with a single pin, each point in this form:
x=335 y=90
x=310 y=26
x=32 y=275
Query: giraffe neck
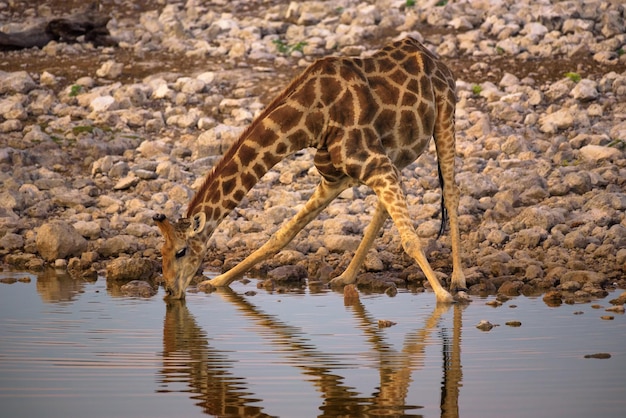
x=258 y=149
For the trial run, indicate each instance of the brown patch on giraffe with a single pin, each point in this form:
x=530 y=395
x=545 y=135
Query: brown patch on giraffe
x=247 y=154
x=409 y=99
x=331 y=91
x=385 y=65
x=314 y=122
x=386 y=93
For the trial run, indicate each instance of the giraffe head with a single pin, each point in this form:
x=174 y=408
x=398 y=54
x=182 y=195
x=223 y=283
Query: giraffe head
x=183 y=251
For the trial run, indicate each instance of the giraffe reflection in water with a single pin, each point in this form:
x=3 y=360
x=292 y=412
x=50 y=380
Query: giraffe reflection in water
x=191 y=361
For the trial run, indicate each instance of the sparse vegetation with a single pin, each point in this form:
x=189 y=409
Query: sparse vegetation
x=477 y=89
x=441 y=3
x=75 y=90
x=284 y=48
x=76 y=130
x=410 y=3
x=575 y=77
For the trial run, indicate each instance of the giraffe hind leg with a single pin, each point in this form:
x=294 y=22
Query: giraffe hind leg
x=388 y=188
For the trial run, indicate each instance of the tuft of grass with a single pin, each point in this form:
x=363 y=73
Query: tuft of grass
x=621 y=52
x=617 y=143
x=575 y=77
x=477 y=89
x=410 y=3
x=76 y=130
x=441 y=3
x=284 y=48
x=75 y=90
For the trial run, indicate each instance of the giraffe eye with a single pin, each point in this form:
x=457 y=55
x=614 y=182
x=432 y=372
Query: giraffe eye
x=181 y=253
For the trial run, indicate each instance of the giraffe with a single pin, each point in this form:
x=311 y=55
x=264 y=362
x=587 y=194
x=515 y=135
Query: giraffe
x=367 y=118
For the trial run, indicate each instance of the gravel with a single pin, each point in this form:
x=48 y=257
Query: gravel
x=95 y=141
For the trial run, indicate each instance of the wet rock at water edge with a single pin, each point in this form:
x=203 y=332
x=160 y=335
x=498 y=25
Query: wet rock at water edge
x=553 y=298
x=138 y=288
x=288 y=274
x=124 y=268
x=617 y=309
x=58 y=239
x=620 y=300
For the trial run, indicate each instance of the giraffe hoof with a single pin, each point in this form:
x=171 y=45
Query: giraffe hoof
x=445 y=298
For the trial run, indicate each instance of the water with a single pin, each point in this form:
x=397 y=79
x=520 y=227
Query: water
x=81 y=349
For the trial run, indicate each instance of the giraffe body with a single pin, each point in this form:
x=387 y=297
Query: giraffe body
x=367 y=118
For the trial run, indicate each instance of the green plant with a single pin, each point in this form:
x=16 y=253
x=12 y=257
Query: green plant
x=477 y=89
x=575 y=77
x=617 y=143
x=82 y=129
x=441 y=3
x=410 y=3
x=284 y=48
x=75 y=90
x=621 y=52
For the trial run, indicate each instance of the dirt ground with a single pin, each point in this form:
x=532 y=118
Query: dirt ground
x=72 y=67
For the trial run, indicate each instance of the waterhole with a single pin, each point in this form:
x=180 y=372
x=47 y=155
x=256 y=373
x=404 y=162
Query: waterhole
x=82 y=349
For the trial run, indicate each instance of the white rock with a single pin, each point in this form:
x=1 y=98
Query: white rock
x=597 y=153
x=110 y=69
x=553 y=122
x=103 y=104
x=585 y=90
x=16 y=82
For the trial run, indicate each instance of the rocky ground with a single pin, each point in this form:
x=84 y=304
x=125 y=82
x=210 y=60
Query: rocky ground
x=95 y=140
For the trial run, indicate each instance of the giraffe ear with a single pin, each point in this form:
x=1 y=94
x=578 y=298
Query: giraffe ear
x=198 y=221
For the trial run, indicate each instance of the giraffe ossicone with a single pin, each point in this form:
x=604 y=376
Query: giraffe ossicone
x=367 y=118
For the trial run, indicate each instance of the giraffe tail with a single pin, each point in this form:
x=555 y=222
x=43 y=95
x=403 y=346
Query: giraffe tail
x=444 y=211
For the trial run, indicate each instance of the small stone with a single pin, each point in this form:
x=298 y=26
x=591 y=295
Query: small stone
x=138 y=288
x=553 y=298
x=126 y=182
x=484 y=325
x=598 y=355
x=616 y=309
x=514 y=323
x=385 y=323
x=110 y=69
x=206 y=286
x=607 y=317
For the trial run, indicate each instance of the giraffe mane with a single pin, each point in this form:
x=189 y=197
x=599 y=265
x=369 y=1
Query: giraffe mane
x=232 y=150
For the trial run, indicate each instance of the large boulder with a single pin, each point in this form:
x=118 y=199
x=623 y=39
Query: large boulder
x=58 y=239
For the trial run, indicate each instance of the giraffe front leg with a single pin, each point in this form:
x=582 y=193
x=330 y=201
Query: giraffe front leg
x=349 y=275
x=325 y=192
x=451 y=196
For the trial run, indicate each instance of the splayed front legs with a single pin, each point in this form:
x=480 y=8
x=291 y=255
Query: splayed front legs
x=322 y=196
